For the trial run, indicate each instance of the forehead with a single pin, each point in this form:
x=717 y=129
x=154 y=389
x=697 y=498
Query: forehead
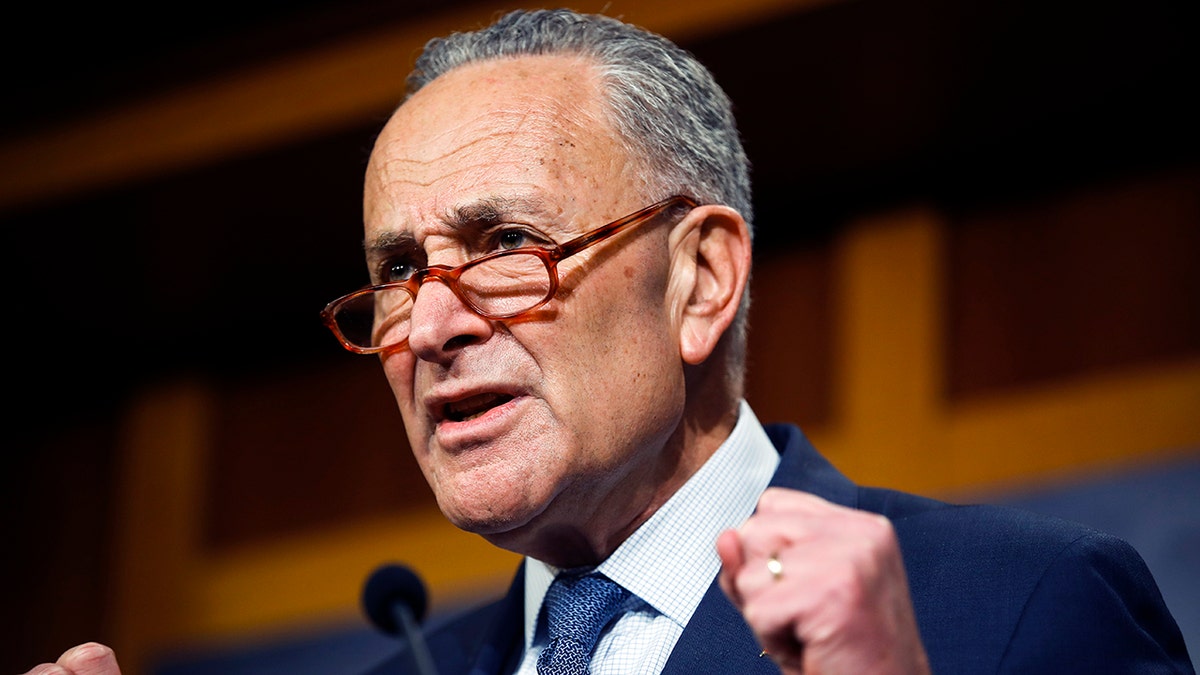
x=527 y=128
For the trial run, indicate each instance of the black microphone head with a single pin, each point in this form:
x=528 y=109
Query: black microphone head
x=389 y=585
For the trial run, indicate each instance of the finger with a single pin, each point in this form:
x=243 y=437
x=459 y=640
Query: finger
x=765 y=535
x=760 y=575
x=780 y=610
x=797 y=518
x=48 y=669
x=90 y=658
x=729 y=549
x=774 y=616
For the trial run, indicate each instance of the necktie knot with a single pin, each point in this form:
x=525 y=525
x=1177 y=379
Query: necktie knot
x=577 y=609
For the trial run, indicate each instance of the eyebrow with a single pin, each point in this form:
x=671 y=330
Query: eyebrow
x=473 y=215
x=492 y=211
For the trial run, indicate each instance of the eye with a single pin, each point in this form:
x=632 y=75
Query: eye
x=395 y=270
x=511 y=239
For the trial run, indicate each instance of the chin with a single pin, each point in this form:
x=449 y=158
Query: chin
x=488 y=517
x=488 y=492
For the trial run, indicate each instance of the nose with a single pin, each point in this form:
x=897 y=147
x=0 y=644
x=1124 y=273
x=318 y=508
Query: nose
x=442 y=323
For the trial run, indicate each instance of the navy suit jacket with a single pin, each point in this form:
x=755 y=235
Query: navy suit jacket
x=995 y=590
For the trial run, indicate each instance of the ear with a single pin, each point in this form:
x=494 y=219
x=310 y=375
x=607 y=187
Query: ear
x=711 y=256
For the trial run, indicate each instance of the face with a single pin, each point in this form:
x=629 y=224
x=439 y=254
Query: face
x=552 y=434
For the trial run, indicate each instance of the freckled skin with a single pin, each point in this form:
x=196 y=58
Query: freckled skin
x=593 y=442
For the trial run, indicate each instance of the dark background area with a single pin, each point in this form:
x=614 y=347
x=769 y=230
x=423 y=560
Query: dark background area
x=61 y=63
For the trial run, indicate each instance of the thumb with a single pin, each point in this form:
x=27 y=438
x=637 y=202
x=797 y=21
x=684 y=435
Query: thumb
x=90 y=658
x=729 y=549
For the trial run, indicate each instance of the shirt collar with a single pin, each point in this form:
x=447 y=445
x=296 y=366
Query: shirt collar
x=670 y=561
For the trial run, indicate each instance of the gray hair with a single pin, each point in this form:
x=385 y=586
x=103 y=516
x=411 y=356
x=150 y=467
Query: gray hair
x=666 y=104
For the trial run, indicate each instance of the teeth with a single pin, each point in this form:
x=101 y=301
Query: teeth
x=474 y=406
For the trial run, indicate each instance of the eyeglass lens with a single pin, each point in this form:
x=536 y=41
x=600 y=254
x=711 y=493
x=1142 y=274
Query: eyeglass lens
x=496 y=287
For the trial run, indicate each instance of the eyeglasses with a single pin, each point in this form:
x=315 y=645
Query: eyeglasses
x=501 y=285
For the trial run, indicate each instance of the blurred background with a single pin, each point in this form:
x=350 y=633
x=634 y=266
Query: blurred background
x=978 y=237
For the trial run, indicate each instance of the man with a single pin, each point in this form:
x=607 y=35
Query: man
x=557 y=230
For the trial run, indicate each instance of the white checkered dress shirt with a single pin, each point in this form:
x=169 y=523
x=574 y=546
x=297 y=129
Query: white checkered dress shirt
x=670 y=561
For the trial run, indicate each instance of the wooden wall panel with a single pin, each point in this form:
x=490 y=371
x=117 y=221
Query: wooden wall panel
x=308 y=452
x=56 y=515
x=1084 y=280
x=789 y=363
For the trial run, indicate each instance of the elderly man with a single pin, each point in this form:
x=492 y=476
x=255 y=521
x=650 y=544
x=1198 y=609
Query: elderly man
x=558 y=240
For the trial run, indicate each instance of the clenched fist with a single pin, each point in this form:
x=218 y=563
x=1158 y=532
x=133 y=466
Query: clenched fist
x=823 y=587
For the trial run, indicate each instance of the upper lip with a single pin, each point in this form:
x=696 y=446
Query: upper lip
x=436 y=402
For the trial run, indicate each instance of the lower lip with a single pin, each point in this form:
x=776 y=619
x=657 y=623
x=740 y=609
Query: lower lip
x=490 y=425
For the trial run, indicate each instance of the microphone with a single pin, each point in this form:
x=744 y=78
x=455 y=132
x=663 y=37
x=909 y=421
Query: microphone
x=394 y=600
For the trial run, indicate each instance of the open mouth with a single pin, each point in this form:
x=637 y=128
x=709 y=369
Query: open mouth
x=473 y=406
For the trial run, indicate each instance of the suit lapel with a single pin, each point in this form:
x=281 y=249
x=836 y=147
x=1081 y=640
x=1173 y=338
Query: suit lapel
x=500 y=646
x=801 y=467
x=717 y=639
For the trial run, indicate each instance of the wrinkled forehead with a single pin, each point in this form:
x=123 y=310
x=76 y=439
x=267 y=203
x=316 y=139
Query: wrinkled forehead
x=518 y=126
x=548 y=98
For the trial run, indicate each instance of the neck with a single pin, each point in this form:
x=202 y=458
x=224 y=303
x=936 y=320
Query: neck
x=635 y=493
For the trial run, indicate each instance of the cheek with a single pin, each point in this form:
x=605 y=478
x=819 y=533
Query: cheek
x=398 y=370
x=617 y=337
x=633 y=312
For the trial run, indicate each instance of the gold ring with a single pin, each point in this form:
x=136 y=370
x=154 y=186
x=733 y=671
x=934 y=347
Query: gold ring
x=775 y=568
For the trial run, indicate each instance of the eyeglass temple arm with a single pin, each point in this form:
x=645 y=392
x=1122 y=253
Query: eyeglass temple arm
x=584 y=240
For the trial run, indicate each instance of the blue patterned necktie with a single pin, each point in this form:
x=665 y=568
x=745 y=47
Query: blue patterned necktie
x=577 y=609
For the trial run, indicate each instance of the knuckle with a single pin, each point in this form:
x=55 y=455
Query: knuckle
x=882 y=524
x=878 y=531
x=744 y=584
x=751 y=614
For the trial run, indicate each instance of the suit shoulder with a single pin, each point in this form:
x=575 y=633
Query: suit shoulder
x=999 y=589
x=959 y=544
x=922 y=519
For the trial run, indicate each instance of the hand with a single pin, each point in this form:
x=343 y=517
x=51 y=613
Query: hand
x=86 y=659
x=838 y=599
